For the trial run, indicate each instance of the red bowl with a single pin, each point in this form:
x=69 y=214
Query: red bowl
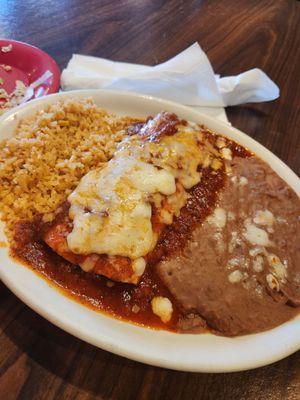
x=28 y=63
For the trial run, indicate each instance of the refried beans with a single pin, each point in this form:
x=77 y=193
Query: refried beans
x=240 y=270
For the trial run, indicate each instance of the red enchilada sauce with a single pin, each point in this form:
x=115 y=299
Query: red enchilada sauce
x=125 y=301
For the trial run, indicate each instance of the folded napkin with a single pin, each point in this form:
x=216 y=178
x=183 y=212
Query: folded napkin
x=187 y=78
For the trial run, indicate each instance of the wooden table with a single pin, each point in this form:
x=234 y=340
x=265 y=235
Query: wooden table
x=40 y=361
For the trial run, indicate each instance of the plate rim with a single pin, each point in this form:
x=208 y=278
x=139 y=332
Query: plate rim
x=181 y=365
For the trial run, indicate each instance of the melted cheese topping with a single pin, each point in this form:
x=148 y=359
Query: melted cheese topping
x=162 y=307
x=264 y=217
x=111 y=207
x=218 y=218
x=255 y=235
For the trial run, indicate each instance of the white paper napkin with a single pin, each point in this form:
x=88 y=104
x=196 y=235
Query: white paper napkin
x=187 y=78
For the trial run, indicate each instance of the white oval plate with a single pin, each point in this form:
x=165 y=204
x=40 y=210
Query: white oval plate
x=186 y=352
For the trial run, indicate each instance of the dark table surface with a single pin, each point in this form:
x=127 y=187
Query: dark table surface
x=40 y=361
